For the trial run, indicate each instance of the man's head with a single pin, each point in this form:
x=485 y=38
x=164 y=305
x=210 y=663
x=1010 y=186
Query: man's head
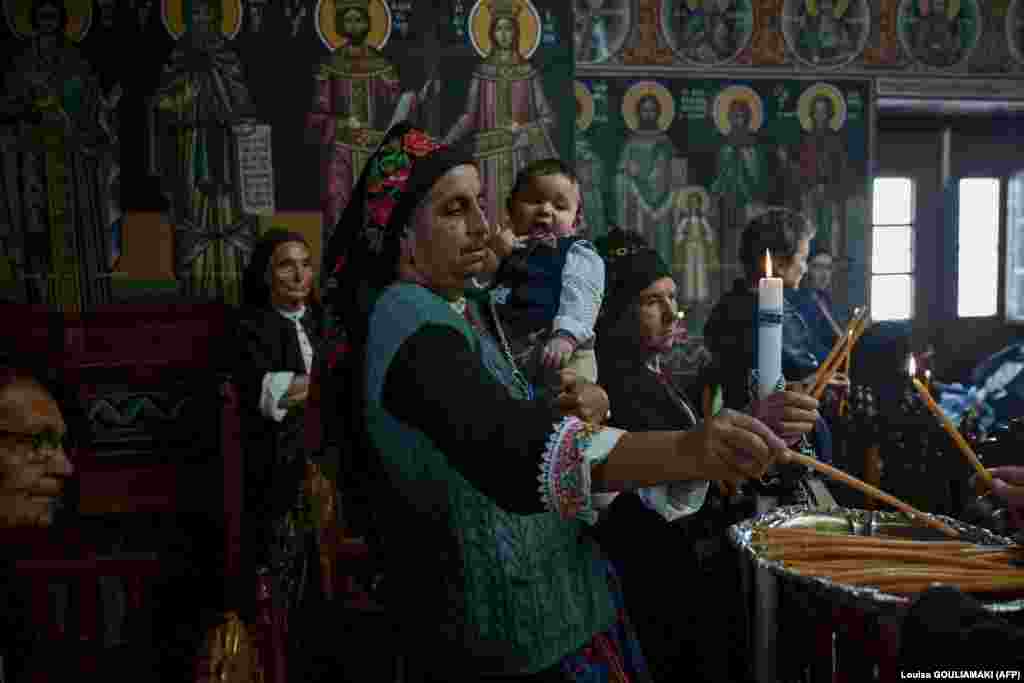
x=648 y=111
x=784 y=234
x=33 y=463
x=819 y=270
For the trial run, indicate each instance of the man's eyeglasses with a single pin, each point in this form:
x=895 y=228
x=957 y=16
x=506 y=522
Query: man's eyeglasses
x=43 y=444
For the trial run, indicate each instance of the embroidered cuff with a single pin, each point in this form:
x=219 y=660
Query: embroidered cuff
x=275 y=386
x=565 y=471
x=675 y=500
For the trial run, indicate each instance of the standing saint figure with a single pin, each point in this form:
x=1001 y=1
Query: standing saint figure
x=695 y=248
x=202 y=94
x=742 y=164
x=58 y=148
x=590 y=168
x=357 y=94
x=591 y=35
x=823 y=165
x=506 y=106
x=643 y=181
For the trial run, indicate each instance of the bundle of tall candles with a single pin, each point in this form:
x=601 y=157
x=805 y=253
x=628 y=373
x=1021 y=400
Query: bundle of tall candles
x=840 y=353
x=947 y=423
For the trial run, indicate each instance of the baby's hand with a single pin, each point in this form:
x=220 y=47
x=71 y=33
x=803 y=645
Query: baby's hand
x=556 y=352
x=503 y=242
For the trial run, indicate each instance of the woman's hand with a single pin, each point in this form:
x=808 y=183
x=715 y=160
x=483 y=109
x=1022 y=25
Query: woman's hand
x=298 y=392
x=738 y=446
x=582 y=398
x=790 y=414
x=1008 y=485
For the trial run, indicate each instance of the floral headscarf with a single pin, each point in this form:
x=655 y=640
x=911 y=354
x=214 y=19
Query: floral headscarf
x=362 y=256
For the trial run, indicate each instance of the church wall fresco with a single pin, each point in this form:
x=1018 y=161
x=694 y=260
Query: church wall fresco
x=686 y=162
x=662 y=155
x=223 y=117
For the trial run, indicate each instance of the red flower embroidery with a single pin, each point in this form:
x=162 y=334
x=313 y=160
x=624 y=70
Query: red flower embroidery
x=380 y=210
x=418 y=143
x=397 y=180
x=339 y=265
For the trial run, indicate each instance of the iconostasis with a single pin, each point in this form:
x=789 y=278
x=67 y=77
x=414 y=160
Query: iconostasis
x=149 y=140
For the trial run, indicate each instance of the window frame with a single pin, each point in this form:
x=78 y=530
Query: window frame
x=911 y=227
x=1001 y=249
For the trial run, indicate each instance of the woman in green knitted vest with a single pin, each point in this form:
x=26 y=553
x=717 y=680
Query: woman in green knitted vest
x=482 y=496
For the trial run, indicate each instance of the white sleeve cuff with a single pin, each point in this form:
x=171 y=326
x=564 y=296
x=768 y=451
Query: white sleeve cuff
x=675 y=500
x=275 y=386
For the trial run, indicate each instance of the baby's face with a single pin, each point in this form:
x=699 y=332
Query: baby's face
x=546 y=204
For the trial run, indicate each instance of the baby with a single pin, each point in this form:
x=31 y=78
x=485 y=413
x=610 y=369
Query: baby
x=548 y=284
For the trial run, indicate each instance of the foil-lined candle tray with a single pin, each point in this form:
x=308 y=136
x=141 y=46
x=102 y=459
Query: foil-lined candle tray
x=850 y=521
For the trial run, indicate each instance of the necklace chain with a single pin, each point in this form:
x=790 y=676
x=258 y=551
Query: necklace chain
x=517 y=375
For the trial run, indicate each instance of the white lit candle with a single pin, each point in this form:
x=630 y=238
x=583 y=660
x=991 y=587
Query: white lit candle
x=769 y=330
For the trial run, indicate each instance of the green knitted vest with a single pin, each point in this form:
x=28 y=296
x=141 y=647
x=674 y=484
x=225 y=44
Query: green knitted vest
x=532 y=586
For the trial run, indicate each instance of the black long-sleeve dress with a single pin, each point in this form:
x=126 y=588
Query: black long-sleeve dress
x=275 y=517
x=681 y=580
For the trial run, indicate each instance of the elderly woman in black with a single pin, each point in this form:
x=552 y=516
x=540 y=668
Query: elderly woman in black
x=484 y=495
x=277 y=348
x=668 y=571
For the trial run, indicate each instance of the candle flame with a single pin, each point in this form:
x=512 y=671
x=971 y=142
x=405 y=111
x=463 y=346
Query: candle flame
x=767 y=263
x=912 y=366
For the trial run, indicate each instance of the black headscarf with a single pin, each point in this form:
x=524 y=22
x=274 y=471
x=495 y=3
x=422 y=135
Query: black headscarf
x=361 y=260
x=630 y=267
x=255 y=290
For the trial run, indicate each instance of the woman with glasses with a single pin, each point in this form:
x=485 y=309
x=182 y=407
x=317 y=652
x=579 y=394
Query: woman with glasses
x=33 y=469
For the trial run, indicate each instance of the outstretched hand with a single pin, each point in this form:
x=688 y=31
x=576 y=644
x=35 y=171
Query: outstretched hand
x=790 y=414
x=1008 y=485
x=743 y=444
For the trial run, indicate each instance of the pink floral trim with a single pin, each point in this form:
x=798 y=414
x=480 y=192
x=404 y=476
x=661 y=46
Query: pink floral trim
x=565 y=481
